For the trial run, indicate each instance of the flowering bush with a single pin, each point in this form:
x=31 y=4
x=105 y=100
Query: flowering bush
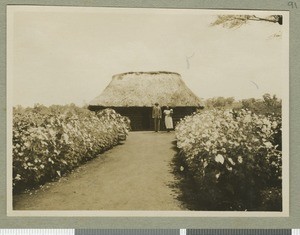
x=114 y=121
x=234 y=157
x=48 y=142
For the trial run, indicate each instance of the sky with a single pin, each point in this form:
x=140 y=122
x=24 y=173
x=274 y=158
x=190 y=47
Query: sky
x=62 y=55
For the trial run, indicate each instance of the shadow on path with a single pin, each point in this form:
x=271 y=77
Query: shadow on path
x=185 y=185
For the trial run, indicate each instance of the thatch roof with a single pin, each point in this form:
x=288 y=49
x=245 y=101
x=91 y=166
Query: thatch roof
x=140 y=89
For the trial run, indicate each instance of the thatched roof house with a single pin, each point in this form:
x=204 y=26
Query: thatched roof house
x=133 y=94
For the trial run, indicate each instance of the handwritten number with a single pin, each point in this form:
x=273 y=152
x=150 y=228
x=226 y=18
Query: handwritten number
x=292 y=5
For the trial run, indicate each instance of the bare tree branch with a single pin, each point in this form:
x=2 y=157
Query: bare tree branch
x=235 y=21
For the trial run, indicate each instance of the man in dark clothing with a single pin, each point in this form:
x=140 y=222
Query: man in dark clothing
x=156 y=115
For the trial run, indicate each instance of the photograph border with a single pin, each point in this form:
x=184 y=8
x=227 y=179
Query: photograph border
x=130 y=213
x=167 y=221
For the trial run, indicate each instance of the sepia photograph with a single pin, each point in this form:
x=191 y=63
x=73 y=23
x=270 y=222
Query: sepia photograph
x=147 y=112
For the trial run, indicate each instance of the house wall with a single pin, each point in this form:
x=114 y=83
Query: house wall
x=141 y=117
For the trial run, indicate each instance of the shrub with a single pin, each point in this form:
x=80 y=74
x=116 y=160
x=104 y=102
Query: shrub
x=234 y=158
x=48 y=142
x=269 y=105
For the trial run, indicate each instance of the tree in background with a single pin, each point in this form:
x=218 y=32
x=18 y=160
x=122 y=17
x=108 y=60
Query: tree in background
x=266 y=106
x=236 y=21
x=219 y=102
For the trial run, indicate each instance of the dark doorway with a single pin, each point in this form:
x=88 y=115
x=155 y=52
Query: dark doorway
x=141 y=117
x=146 y=118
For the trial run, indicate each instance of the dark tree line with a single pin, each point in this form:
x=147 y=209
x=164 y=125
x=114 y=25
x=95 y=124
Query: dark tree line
x=269 y=104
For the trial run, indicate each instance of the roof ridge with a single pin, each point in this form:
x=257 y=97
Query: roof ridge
x=143 y=72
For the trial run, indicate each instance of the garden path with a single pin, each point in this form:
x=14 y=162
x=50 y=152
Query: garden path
x=135 y=175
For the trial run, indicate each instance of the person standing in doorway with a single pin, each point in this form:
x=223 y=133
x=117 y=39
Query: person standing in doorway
x=168 y=118
x=156 y=115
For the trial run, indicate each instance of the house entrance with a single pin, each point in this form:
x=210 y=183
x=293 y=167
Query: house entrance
x=146 y=114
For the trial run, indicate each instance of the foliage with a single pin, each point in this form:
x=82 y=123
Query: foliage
x=48 y=142
x=219 y=102
x=269 y=105
x=234 y=158
x=235 y=21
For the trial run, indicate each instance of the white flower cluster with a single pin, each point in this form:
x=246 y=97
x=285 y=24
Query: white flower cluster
x=228 y=138
x=50 y=141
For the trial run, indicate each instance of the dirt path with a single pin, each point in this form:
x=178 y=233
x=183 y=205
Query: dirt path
x=132 y=176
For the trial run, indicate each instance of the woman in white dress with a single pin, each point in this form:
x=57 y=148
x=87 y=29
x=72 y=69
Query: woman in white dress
x=168 y=118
